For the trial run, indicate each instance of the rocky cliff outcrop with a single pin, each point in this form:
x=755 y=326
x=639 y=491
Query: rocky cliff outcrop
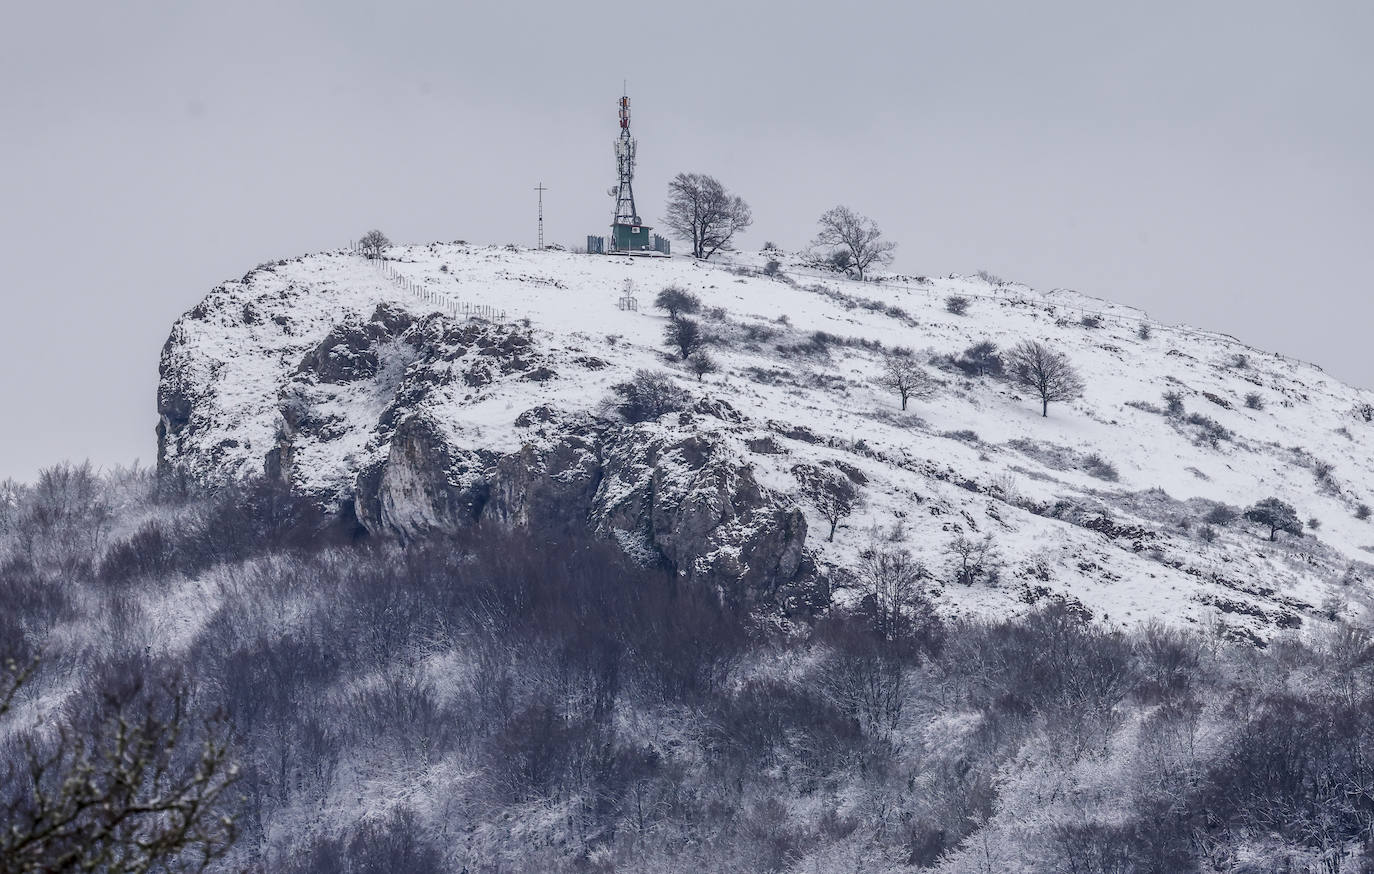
x=668 y=492
x=376 y=417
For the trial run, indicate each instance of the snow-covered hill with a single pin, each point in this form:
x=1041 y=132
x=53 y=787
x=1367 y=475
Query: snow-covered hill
x=325 y=371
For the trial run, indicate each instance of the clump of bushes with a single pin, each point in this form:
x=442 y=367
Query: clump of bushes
x=1322 y=470
x=646 y=397
x=1220 y=515
x=1209 y=430
x=754 y=333
x=980 y=359
x=677 y=301
x=1253 y=401
x=1096 y=466
x=683 y=335
x=1362 y=512
x=1091 y=321
x=957 y=304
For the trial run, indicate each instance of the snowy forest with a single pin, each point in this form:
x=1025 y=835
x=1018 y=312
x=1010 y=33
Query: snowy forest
x=228 y=681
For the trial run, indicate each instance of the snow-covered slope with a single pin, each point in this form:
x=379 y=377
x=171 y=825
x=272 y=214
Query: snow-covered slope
x=317 y=368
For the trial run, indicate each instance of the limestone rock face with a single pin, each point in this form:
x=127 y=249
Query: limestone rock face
x=693 y=499
x=666 y=491
x=406 y=422
x=423 y=485
x=554 y=476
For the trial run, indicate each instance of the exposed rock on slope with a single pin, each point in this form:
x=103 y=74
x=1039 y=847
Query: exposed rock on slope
x=323 y=373
x=669 y=491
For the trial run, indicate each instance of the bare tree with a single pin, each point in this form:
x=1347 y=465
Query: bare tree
x=138 y=793
x=684 y=335
x=701 y=363
x=833 y=494
x=373 y=242
x=1046 y=372
x=701 y=210
x=891 y=578
x=974 y=560
x=903 y=375
x=857 y=236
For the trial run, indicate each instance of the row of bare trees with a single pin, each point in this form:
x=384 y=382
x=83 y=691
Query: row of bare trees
x=702 y=210
x=1030 y=364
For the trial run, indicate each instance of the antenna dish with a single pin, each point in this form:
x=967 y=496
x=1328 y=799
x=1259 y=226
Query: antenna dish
x=613 y=191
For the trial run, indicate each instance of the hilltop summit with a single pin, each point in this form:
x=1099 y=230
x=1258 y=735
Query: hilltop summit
x=367 y=393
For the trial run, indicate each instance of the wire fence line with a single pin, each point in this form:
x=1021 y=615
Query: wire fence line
x=447 y=303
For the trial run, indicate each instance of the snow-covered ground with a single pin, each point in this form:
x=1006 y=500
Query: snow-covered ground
x=976 y=458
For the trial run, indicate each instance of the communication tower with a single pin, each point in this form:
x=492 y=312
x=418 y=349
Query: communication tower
x=628 y=234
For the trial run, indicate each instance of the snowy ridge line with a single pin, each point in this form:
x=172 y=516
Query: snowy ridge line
x=1105 y=316
x=447 y=304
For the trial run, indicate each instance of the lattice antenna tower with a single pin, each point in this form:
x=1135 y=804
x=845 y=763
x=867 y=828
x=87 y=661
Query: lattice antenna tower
x=625 y=146
x=541 y=189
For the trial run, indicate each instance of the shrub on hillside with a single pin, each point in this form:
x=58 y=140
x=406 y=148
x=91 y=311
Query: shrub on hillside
x=1209 y=431
x=683 y=335
x=1173 y=403
x=701 y=363
x=956 y=304
x=1322 y=470
x=980 y=359
x=647 y=396
x=1220 y=515
x=1097 y=466
x=677 y=301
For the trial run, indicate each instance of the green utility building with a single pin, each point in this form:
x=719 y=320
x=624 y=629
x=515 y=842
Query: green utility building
x=630 y=238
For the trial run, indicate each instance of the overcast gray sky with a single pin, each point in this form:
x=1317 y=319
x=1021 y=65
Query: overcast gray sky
x=1208 y=162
